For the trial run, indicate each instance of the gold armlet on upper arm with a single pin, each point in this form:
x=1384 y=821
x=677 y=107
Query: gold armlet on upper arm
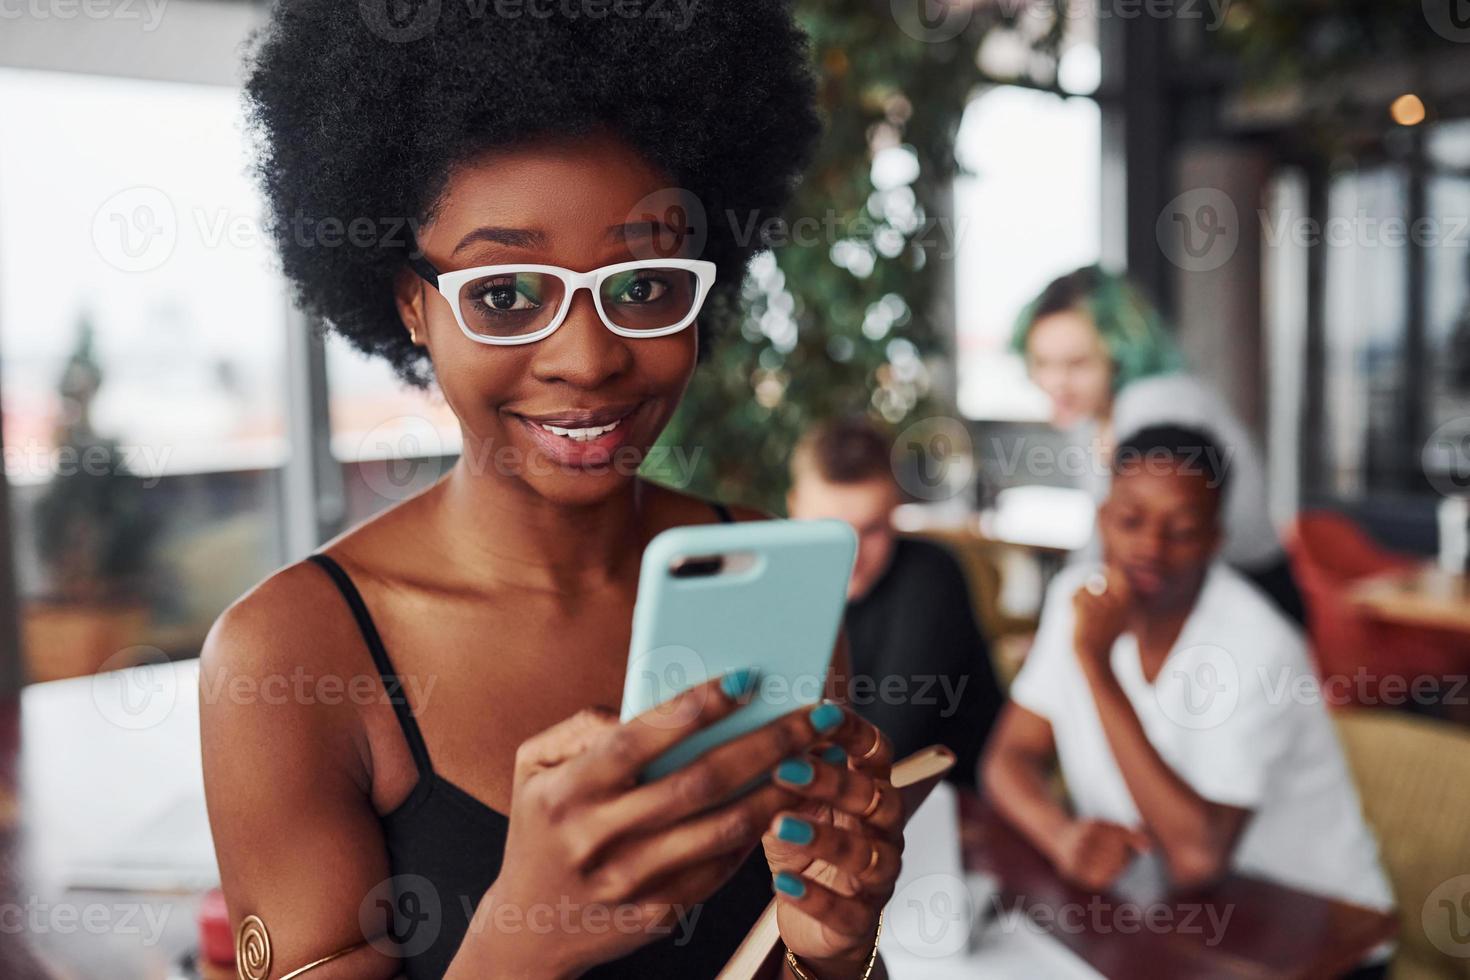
x=253 y=952
x=252 y=949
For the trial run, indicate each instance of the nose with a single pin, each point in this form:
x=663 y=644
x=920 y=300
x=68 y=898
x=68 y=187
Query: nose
x=1152 y=543
x=582 y=352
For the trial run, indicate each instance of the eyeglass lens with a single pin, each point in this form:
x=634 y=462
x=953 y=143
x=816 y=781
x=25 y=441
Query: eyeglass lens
x=514 y=304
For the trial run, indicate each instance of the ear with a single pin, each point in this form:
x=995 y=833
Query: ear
x=409 y=297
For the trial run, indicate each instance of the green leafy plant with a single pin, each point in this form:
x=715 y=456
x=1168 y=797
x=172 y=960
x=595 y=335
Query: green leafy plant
x=93 y=531
x=847 y=313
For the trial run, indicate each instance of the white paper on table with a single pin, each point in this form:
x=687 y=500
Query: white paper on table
x=941 y=922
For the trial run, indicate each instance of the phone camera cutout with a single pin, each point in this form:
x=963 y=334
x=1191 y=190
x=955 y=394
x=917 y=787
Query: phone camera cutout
x=708 y=566
x=696 y=566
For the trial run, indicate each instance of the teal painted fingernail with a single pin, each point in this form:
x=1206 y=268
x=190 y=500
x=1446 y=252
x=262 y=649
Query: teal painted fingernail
x=826 y=717
x=798 y=772
x=834 y=754
x=737 y=683
x=795 y=830
x=790 y=884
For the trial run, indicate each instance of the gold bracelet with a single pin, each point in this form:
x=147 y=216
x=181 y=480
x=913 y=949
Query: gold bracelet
x=801 y=973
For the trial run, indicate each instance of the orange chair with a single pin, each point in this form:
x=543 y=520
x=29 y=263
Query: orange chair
x=1329 y=554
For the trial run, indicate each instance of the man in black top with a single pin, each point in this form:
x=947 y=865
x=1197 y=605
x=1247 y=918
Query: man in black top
x=922 y=669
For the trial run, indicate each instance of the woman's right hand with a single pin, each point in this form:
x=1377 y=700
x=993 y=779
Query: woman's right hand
x=597 y=864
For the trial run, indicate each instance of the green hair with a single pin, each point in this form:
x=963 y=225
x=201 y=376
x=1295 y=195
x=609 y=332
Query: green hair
x=1137 y=339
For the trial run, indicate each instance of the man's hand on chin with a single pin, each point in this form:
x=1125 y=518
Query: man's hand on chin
x=1101 y=608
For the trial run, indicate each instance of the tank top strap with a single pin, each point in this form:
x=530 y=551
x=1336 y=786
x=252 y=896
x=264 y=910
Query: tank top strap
x=392 y=681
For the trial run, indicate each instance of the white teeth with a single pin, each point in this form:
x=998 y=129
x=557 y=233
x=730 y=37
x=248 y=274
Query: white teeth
x=581 y=435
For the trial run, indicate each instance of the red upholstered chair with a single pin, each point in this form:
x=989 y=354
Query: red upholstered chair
x=1329 y=554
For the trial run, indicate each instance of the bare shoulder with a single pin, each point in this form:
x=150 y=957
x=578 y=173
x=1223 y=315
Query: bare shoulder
x=285 y=669
x=294 y=618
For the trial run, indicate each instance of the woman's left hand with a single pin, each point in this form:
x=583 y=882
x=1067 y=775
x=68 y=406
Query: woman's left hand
x=835 y=855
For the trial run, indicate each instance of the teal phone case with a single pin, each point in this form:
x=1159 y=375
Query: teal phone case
x=777 y=609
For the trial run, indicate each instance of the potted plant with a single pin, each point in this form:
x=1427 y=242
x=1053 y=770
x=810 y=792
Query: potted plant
x=95 y=537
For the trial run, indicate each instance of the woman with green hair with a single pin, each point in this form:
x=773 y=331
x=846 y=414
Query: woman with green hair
x=1105 y=358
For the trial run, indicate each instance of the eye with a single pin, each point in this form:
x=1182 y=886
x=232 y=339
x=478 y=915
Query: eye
x=640 y=288
x=506 y=294
x=1184 y=532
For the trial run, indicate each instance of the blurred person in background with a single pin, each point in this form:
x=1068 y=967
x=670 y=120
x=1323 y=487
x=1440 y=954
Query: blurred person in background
x=1103 y=355
x=922 y=668
x=1157 y=683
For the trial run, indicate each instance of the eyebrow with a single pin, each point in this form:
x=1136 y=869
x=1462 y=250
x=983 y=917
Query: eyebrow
x=514 y=237
x=643 y=229
x=532 y=237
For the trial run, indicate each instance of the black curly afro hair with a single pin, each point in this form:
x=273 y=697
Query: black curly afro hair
x=360 y=110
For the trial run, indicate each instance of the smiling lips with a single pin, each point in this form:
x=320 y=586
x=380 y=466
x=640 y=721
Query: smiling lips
x=584 y=434
x=581 y=437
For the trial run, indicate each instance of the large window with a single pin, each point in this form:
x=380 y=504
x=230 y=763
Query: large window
x=390 y=439
x=142 y=351
x=1395 y=319
x=1028 y=212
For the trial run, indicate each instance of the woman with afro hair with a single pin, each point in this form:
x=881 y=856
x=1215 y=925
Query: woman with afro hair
x=449 y=792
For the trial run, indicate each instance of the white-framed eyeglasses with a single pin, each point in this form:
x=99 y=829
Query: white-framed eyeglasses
x=521 y=304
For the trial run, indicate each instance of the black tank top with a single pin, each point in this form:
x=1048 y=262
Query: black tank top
x=445 y=848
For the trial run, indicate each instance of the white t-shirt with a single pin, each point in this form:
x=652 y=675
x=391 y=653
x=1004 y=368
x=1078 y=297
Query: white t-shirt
x=1251 y=541
x=1236 y=713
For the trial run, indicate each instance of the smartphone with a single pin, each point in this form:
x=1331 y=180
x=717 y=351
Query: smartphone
x=713 y=598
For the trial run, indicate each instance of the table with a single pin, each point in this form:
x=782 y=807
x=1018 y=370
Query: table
x=1241 y=928
x=1422 y=596
x=101 y=778
x=108 y=847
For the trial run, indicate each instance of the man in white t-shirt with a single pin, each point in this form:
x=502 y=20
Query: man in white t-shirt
x=1179 y=704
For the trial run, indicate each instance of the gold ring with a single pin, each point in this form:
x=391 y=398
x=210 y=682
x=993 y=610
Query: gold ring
x=872 y=752
x=875 y=802
x=873 y=859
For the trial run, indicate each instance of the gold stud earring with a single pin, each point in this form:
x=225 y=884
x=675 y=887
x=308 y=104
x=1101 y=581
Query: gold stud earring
x=413 y=336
